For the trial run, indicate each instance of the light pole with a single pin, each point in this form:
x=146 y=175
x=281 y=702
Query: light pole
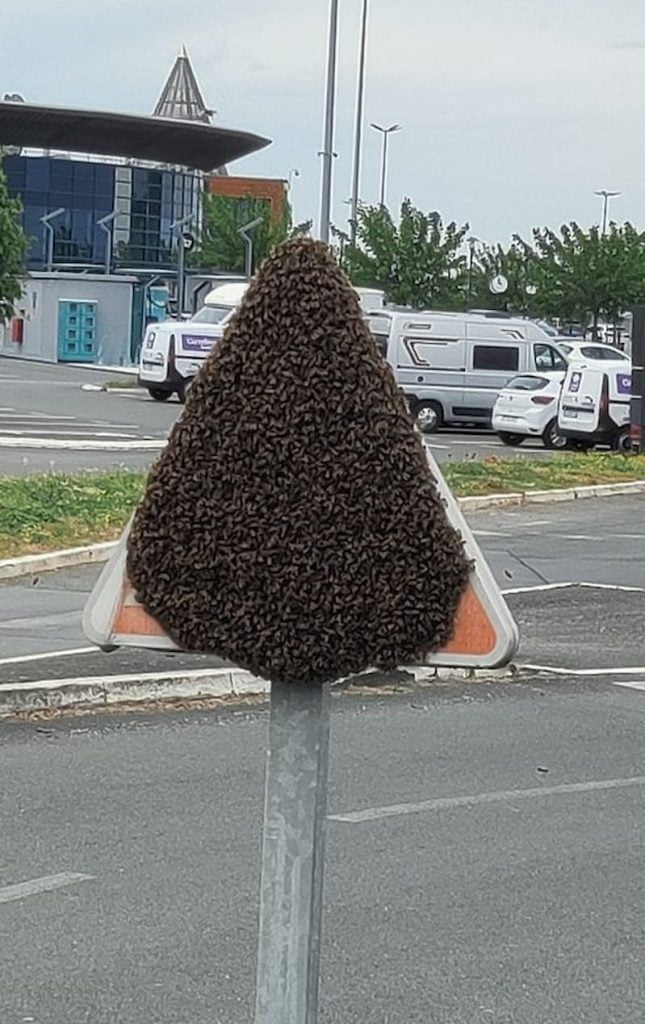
x=103 y=223
x=385 y=132
x=472 y=242
x=181 y=261
x=606 y=196
x=49 y=235
x=248 y=244
x=358 y=127
x=327 y=151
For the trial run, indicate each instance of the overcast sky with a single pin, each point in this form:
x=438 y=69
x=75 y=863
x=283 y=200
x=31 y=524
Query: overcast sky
x=513 y=111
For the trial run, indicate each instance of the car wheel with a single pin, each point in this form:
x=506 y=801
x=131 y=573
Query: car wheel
x=184 y=389
x=513 y=440
x=623 y=442
x=552 y=437
x=159 y=394
x=428 y=417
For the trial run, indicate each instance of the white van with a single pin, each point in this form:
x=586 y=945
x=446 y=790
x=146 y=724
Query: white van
x=173 y=351
x=452 y=366
x=172 y=354
x=595 y=404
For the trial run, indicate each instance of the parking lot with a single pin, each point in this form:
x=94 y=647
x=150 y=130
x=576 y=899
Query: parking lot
x=484 y=838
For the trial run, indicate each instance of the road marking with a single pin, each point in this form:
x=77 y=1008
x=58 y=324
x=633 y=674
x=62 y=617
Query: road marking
x=538 y=586
x=559 y=670
x=46 y=655
x=449 y=802
x=55 y=619
x=37 y=885
x=81 y=445
x=490 y=533
x=76 y=431
x=633 y=684
x=573 y=583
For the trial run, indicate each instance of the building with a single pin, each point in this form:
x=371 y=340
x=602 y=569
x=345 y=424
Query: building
x=104 y=230
x=137 y=202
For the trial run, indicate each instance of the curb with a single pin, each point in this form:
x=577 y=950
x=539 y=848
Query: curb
x=477 y=503
x=27 y=565
x=95 y=692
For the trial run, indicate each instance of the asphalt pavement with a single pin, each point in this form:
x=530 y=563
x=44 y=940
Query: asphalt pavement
x=484 y=861
x=51 y=420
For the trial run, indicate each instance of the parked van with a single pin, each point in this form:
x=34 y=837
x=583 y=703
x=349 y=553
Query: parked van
x=172 y=355
x=452 y=366
x=595 y=404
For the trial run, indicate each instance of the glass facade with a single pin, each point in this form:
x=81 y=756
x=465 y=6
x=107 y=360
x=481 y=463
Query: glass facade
x=147 y=200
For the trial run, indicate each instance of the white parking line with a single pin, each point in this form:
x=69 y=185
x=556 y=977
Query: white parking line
x=37 y=885
x=46 y=655
x=632 y=684
x=449 y=802
x=574 y=583
x=560 y=670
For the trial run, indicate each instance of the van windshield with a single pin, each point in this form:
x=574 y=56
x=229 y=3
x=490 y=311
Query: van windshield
x=211 y=314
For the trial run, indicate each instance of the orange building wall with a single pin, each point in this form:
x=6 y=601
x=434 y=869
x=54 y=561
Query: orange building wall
x=272 y=189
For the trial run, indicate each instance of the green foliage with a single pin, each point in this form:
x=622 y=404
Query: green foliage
x=220 y=245
x=516 y=264
x=13 y=244
x=584 y=275
x=59 y=510
x=496 y=476
x=416 y=262
x=576 y=275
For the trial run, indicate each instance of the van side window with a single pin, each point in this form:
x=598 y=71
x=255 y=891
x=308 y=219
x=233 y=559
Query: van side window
x=546 y=358
x=496 y=357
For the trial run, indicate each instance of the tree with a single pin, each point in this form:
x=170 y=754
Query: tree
x=583 y=275
x=13 y=244
x=517 y=264
x=220 y=244
x=416 y=262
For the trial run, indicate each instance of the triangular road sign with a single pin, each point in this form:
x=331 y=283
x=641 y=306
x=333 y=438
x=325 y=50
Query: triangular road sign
x=485 y=635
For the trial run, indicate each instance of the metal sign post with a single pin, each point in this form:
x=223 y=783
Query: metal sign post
x=293 y=855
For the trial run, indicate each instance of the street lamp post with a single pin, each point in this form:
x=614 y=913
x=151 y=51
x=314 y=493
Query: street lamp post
x=103 y=223
x=472 y=242
x=358 y=127
x=327 y=151
x=248 y=244
x=181 y=261
x=49 y=232
x=606 y=196
x=385 y=132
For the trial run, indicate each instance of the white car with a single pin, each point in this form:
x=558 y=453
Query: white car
x=528 y=407
x=578 y=350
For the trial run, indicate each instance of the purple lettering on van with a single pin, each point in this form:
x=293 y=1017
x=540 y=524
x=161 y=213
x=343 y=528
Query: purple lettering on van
x=624 y=383
x=197 y=342
x=574 y=383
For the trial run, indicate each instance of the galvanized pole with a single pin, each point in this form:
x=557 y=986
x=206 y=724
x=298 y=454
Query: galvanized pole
x=384 y=168
x=181 y=276
x=327 y=151
x=293 y=855
x=248 y=244
x=358 y=127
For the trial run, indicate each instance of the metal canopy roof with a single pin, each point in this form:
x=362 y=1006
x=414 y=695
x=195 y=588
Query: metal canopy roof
x=161 y=140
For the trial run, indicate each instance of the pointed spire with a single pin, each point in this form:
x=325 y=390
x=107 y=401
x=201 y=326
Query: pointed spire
x=181 y=96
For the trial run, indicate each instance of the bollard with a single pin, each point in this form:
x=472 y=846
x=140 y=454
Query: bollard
x=293 y=855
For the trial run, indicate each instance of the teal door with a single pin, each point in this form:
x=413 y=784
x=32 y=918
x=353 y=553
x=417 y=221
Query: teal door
x=77 y=340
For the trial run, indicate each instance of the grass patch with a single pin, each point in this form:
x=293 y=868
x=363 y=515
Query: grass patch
x=44 y=513
x=499 y=476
